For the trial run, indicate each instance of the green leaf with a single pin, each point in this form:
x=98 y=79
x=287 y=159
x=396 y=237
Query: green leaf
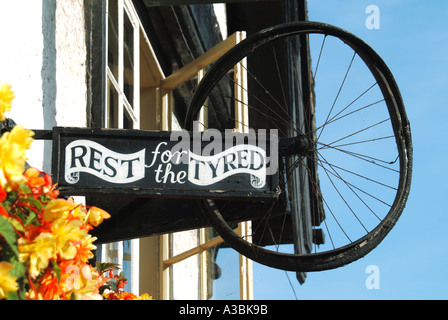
x=16 y=224
x=13 y=296
x=56 y=270
x=31 y=218
x=106 y=266
x=9 y=255
x=112 y=285
x=7 y=231
x=123 y=276
x=19 y=268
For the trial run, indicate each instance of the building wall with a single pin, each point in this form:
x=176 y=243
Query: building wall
x=43 y=57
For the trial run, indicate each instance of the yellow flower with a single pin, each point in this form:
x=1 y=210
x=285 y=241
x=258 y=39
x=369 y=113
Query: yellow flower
x=145 y=296
x=7 y=282
x=13 y=146
x=37 y=253
x=66 y=233
x=22 y=138
x=60 y=243
x=6 y=96
x=55 y=209
x=96 y=215
x=61 y=208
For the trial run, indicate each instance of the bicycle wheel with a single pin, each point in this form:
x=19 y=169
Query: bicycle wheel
x=345 y=177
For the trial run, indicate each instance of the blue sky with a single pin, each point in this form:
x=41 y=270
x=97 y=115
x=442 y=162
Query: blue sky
x=413 y=259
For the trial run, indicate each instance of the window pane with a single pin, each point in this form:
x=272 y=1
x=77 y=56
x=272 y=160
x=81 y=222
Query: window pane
x=112 y=109
x=128 y=60
x=226 y=285
x=127 y=264
x=127 y=121
x=185 y=274
x=112 y=37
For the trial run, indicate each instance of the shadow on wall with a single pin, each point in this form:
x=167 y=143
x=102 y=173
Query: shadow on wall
x=48 y=74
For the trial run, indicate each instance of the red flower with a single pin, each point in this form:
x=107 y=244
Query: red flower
x=41 y=183
x=121 y=284
x=3 y=212
x=3 y=194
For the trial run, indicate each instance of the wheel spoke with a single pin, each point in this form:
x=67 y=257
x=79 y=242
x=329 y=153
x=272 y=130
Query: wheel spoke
x=351 y=186
x=362 y=176
x=337 y=95
x=367 y=158
x=342 y=103
x=358 y=132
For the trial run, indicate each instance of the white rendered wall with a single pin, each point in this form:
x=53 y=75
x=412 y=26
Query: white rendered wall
x=43 y=57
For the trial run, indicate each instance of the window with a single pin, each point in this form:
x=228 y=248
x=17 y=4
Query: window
x=122 y=71
x=122 y=110
x=198 y=251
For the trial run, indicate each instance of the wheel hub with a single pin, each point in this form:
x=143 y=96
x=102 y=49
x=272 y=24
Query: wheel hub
x=299 y=145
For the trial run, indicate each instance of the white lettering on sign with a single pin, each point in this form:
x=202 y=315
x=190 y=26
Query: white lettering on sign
x=243 y=158
x=165 y=166
x=93 y=158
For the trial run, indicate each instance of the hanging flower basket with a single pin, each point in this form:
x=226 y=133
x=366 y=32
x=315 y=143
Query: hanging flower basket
x=45 y=245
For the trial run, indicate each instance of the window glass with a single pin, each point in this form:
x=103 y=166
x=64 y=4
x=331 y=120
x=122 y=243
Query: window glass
x=126 y=267
x=112 y=112
x=128 y=52
x=112 y=37
x=127 y=121
x=227 y=274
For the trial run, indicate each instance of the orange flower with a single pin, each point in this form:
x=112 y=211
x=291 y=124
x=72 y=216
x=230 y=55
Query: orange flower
x=34 y=181
x=40 y=183
x=112 y=295
x=33 y=178
x=6 y=97
x=127 y=296
x=85 y=247
x=48 y=286
x=49 y=188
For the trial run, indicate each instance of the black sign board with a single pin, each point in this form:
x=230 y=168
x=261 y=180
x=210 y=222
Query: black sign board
x=148 y=163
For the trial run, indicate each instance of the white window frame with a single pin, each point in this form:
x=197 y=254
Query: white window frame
x=125 y=7
x=114 y=252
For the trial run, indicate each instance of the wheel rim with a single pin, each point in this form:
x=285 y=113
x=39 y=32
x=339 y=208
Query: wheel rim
x=354 y=183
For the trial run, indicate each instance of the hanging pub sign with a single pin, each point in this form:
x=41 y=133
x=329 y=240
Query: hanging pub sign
x=206 y=164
